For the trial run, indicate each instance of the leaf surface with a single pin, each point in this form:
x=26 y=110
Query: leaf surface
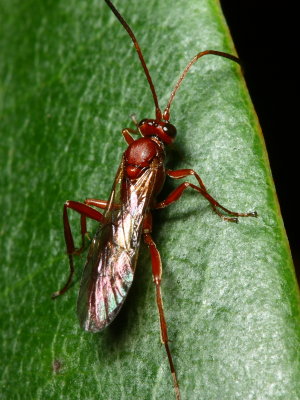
x=70 y=81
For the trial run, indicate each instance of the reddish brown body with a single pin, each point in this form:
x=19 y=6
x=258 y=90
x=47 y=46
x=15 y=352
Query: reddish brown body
x=140 y=154
x=111 y=261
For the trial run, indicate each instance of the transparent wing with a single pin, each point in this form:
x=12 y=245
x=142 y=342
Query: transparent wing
x=111 y=261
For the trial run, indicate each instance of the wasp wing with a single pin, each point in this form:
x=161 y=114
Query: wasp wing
x=111 y=261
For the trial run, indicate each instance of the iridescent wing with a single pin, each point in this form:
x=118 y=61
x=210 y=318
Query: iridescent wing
x=111 y=261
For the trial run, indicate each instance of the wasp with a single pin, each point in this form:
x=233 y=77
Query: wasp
x=126 y=220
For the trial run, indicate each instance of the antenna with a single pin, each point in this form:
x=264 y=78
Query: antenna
x=166 y=114
x=140 y=54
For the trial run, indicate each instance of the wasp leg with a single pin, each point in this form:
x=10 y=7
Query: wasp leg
x=157 y=273
x=126 y=134
x=86 y=212
x=176 y=194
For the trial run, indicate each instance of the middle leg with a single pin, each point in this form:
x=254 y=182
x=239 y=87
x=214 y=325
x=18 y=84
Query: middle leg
x=86 y=212
x=176 y=194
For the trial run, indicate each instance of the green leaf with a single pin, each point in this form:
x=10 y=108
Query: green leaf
x=70 y=81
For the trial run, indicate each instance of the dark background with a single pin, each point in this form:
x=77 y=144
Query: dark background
x=263 y=35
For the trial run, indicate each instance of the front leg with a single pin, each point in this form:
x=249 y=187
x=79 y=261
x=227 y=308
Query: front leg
x=128 y=131
x=127 y=135
x=176 y=194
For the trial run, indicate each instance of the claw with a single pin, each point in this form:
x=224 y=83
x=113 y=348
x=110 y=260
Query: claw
x=55 y=295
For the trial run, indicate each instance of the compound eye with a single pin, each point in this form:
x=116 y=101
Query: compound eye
x=143 y=121
x=170 y=130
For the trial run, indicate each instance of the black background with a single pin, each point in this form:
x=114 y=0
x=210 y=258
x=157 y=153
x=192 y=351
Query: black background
x=263 y=35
